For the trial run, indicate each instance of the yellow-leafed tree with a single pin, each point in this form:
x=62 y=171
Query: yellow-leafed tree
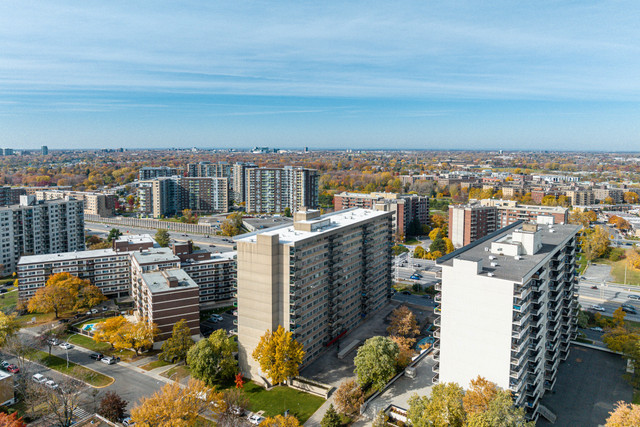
x=58 y=295
x=106 y=331
x=280 y=421
x=624 y=415
x=174 y=406
x=480 y=393
x=279 y=355
x=8 y=327
x=136 y=336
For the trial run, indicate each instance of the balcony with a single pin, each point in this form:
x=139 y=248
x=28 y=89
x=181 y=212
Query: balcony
x=438 y=286
x=436 y=379
x=520 y=319
x=436 y=355
x=438 y=297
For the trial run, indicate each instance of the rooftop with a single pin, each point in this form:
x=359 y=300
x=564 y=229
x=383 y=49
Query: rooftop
x=155 y=255
x=67 y=256
x=259 y=223
x=159 y=281
x=137 y=239
x=507 y=267
x=325 y=223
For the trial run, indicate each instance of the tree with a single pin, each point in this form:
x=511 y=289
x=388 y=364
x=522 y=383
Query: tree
x=630 y=197
x=136 y=336
x=442 y=408
x=596 y=243
x=12 y=420
x=419 y=252
x=162 y=237
x=236 y=401
x=287 y=212
x=403 y=323
x=438 y=221
x=106 y=331
x=112 y=407
x=211 y=360
x=64 y=400
x=578 y=217
x=232 y=225
x=618 y=316
x=376 y=362
x=48 y=335
x=280 y=421
x=175 y=348
x=500 y=412
x=381 y=419
x=438 y=244
x=405 y=350
x=624 y=415
x=349 y=397
x=88 y=297
x=279 y=355
x=114 y=234
x=239 y=381
x=434 y=233
x=59 y=294
x=188 y=217
x=174 y=406
x=448 y=244
x=331 y=418
x=478 y=396
x=9 y=326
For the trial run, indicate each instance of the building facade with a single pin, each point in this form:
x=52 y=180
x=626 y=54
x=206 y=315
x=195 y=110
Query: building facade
x=319 y=278
x=272 y=190
x=11 y=195
x=39 y=227
x=511 y=298
x=100 y=204
x=204 y=195
x=147 y=173
x=240 y=181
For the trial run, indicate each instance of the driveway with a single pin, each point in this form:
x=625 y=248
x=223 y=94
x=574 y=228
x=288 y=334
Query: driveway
x=598 y=273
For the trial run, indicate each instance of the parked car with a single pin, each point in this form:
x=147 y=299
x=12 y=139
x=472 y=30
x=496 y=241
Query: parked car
x=256 y=419
x=405 y=293
x=54 y=341
x=415 y=277
x=127 y=421
x=5 y=365
x=597 y=307
x=216 y=318
x=629 y=309
x=108 y=360
x=51 y=384
x=633 y=296
x=39 y=378
x=66 y=345
x=96 y=356
x=13 y=369
x=594 y=287
x=597 y=329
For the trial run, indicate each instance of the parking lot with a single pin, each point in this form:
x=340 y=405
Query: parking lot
x=209 y=325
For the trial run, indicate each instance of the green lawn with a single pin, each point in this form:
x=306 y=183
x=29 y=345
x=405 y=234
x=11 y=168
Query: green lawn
x=154 y=365
x=277 y=400
x=180 y=372
x=618 y=273
x=59 y=364
x=100 y=347
x=412 y=241
x=8 y=301
x=40 y=318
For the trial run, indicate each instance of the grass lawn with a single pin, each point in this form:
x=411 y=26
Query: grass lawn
x=617 y=271
x=59 y=364
x=100 y=347
x=636 y=397
x=277 y=400
x=40 y=318
x=156 y=364
x=180 y=372
x=8 y=301
x=412 y=241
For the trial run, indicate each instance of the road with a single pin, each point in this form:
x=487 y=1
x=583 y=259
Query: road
x=211 y=243
x=608 y=295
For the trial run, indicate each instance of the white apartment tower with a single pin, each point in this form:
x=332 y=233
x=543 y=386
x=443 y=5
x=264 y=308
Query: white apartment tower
x=508 y=309
x=319 y=278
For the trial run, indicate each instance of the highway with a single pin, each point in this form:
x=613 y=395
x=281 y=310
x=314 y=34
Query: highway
x=608 y=295
x=212 y=243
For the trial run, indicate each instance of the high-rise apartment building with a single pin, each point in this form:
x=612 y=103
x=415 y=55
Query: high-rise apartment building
x=508 y=307
x=472 y=221
x=275 y=189
x=149 y=172
x=204 y=195
x=319 y=278
x=35 y=228
x=208 y=169
x=11 y=195
x=44 y=150
x=100 y=204
x=408 y=209
x=240 y=180
x=159 y=197
x=580 y=197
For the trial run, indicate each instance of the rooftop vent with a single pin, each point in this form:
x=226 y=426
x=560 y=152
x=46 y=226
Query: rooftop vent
x=490 y=274
x=517 y=257
x=486 y=249
x=494 y=264
x=492 y=257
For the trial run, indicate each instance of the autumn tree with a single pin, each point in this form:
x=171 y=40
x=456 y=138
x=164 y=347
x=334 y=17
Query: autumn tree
x=349 y=397
x=403 y=323
x=106 y=331
x=419 y=252
x=9 y=326
x=281 y=421
x=136 y=336
x=500 y=412
x=381 y=419
x=443 y=408
x=211 y=360
x=162 y=237
x=376 y=362
x=630 y=197
x=64 y=292
x=405 y=350
x=175 y=406
x=331 y=418
x=579 y=217
x=438 y=221
x=112 y=407
x=624 y=415
x=478 y=396
x=175 y=348
x=232 y=225
x=448 y=245
x=596 y=243
x=279 y=355
x=11 y=420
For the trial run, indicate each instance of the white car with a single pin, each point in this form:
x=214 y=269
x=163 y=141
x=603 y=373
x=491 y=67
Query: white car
x=597 y=329
x=256 y=419
x=51 y=384
x=39 y=378
x=108 y=360
x=216 y=318
x=597 y=307
x=66 y=345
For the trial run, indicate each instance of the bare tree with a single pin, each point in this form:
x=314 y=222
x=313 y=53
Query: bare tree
x=48 y=337
x=62 y=401
x=236 y=401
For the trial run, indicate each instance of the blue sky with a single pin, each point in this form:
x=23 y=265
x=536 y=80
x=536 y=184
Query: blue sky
x=357 y=74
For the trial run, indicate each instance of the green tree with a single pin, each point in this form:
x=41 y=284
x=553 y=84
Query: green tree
x=287 y=212
x=331 y=418
x=376 y=362
x=438 y=244
x=211 y=360
x=442 y=408
x=419 y=252
x=279 y=355
x=163 y=238
x=114 y=234
x=500 y=413
x=381 y=419
x=175 y=348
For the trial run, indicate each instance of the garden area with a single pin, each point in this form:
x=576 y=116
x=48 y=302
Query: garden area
x=74 y=370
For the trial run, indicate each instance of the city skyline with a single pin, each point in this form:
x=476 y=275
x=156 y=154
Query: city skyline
x=357 y=75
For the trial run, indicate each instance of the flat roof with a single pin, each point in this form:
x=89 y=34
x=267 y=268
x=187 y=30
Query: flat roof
x=334 y=221
x=157 y=281
x=155 y=255
x=137 y=239
x=271 y=221
x=4 y=375
x=67 y=256
x=508 y=267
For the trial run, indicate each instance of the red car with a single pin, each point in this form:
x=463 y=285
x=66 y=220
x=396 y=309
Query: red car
x=13 y=369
